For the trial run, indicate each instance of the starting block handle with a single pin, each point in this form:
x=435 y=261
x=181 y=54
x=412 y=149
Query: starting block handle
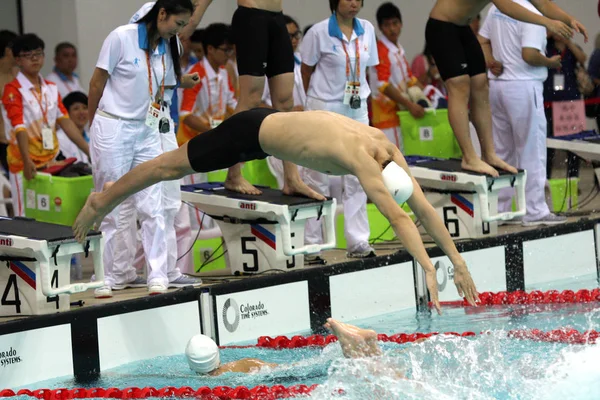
x=329 y=226
x=73 y=288
x=520 y=181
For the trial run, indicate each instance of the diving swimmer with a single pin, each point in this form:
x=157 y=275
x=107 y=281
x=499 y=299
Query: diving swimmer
x=324 y=141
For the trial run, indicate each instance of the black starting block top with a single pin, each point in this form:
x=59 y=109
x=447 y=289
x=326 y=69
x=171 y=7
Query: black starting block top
x=268 y=195
x=452 y=165
x=35 y=230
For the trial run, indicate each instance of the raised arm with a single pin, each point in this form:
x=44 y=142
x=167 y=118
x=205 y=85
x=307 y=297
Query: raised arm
x=199 y=10
x=520 y=13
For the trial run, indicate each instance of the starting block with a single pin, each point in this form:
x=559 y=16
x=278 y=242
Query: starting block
x=466 y=201
x=262 y=232
x=585 y=144
x=35 y=266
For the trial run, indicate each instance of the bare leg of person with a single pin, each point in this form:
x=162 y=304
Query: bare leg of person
x=355 y=342
x=459 y=89
x=482 y=119
x=251 y=90
x=283 y=100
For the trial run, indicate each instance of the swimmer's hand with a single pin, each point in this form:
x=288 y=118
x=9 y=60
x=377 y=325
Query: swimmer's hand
x=464 y=284
x=188 y=81
x=579 y=28
x=432 y=286
x=559 y=28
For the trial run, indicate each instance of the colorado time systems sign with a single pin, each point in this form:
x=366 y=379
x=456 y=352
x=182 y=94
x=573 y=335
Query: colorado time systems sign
x=246 y=315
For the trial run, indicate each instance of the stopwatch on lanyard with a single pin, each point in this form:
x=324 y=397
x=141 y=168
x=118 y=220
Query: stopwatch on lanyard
x=352 y=91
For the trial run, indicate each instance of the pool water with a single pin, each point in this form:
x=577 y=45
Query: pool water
x=490 y=366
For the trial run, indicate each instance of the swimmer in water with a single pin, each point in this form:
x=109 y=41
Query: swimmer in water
x=203 y=353
x=320 y=140
x=461 y=63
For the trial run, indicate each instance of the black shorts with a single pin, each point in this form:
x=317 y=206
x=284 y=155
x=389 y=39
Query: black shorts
x=455 y=49
x=234 y=141
x=263 y=45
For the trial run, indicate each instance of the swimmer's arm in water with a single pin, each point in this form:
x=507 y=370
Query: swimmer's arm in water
x=245 y=365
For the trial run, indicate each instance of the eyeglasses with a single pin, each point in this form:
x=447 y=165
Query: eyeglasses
x=226 y=50
x=32 y=55
x=296 y=35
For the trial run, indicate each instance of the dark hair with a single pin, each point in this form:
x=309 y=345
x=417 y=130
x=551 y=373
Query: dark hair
x=388 y=11
x=27 y=42
x=62 y=46
x=74 y=97
x=6 y=40
x=306 y=29
x=333 y=5
x=215 y=35
x=290 y=20
x=151 y=20
x=197 y=36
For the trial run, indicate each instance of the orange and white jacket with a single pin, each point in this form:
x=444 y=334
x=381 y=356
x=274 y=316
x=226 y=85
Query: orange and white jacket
x=393 y=69
x=25 y=114
x=214 y=96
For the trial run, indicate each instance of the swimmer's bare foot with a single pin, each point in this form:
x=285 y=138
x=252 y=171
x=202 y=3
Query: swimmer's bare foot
x=90 y=216
x=495 y=161
x=355 y=342
x=241 y=185
x=480 y=166
x=298 y=187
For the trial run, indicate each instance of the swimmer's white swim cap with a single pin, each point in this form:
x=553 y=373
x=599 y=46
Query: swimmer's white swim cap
x=202 y=354
x=398 y=182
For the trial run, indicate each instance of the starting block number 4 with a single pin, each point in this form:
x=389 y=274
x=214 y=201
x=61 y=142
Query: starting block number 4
x=13 y=291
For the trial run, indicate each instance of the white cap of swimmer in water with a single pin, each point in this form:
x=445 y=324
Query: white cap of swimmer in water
x=202 y=354
x=397 y=182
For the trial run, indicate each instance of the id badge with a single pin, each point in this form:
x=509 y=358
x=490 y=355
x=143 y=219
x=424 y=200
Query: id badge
x=47 y=138
x=214 y=122
x=153 y=116
x=559 y=82
x=352 y=88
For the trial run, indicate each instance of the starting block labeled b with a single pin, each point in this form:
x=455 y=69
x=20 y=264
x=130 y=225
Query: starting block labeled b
x=262 y=232
x=35 y=264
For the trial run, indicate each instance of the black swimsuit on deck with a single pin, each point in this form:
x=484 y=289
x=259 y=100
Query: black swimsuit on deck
x=232 y=142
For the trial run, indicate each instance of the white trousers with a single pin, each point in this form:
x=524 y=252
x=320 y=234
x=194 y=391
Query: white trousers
x=394 y=135
x=519 y=126
x=116 y=147
x=354 y=198
x=17 y=193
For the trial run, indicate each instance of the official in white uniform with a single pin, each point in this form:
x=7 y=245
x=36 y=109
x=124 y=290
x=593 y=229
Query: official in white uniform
x=514 y=53
x=137 y=63
x=335 y=55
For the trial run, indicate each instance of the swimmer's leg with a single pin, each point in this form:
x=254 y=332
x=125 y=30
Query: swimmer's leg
x=355 y=342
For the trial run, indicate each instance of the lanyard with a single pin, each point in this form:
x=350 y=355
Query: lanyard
x=348 y=64
x=210 y=104
x=38 y=97
x=162 y=86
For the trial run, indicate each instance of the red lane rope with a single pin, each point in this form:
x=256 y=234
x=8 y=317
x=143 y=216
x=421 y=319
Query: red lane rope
x=563 y=335
x=534 y=297
x=203 y=393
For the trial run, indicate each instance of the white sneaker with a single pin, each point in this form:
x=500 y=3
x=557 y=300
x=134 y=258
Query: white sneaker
x=362 y=250
x=156 y=288
x=550 y=219
x=104 y=292
x=185 y=280
x=138 y=282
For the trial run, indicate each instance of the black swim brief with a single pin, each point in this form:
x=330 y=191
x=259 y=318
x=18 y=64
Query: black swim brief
x=263 y=45
x=232 y=142
x=455 y=49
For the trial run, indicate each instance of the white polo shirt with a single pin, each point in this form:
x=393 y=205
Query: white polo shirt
x=123 y=55
x=323 y=47
x=64 y=84
x=299 y=93
x=509 y=37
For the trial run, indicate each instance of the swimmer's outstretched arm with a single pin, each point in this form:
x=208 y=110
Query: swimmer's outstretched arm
x=371 y=179
x=169 y=166
x=200 y=7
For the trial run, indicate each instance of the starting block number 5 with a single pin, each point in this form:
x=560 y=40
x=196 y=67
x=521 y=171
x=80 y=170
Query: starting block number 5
x=11 y=293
